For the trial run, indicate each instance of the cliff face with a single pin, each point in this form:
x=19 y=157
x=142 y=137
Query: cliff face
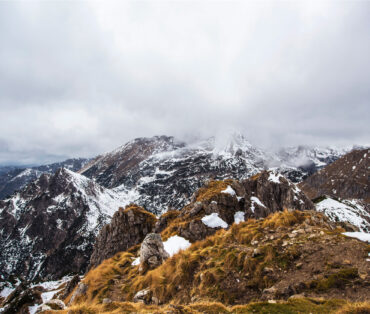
x=127 y=228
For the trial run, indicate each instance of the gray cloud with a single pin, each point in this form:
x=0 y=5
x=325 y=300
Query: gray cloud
x=80 y=78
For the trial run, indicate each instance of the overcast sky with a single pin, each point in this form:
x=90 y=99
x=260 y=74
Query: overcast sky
x=81 y=78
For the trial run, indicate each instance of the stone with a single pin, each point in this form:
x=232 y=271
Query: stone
x=269 y=293
x=152 y=252
x=256 y=252
x=81 y=290
x=106 y=301
x=143 y=296
x=56 y=304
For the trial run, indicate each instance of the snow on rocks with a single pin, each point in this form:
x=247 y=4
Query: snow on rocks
x=175 y=243
x=239 y=217
x=275 y=177
x=213 y=221
x=255 y=200
x=362 y=236
x=229 y=190
x=345 y=211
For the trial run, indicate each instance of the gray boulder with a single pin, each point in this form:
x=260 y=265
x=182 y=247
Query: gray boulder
x=152 y=253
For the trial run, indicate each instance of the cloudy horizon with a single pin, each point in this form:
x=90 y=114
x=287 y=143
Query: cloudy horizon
x=81 y=78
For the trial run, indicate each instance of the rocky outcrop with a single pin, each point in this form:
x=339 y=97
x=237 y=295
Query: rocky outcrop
x=257 y=197
x=49 y=227
x=152 y=252
x=21 y=298
x=128 y=227
x=346 y=178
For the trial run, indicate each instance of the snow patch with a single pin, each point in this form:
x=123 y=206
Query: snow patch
x=213 y=221
x=229 y=190
x=255 y=200
x=275 y=177
x=239 y=217
x=362 y=236
x=175 y=244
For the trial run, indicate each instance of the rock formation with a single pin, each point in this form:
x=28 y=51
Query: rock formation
x=128 y=227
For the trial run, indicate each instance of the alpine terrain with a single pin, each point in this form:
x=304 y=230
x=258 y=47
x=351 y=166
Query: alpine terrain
x=160 y=225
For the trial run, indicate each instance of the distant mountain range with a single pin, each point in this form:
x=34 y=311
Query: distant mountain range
x=13 y=178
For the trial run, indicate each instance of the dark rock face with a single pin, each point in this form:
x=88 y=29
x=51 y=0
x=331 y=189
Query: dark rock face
x=15 y=178
x=48 y=229
x=346 y=178
x=128 y=227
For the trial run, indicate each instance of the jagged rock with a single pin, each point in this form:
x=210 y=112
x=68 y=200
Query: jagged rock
x=128 y=227
x=21 y=298
x=256 y=197
x=81 y=290
x=165 y=219
x=152 y=253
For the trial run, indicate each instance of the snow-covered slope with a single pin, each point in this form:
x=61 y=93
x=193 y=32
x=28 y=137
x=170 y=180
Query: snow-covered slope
x=48 y=228
x=352 y=211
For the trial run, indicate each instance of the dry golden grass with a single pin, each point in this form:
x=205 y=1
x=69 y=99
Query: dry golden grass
x=213 y=188
x=204 y=269
x=355 y=308
x=137 y=209
x=305 y=305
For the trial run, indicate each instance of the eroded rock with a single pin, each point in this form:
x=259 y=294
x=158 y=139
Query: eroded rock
x=152 y=252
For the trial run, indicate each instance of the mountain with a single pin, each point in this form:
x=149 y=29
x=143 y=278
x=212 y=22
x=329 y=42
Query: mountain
x=299 y=162
x=161 y=173
x=49 y=227
x=341 y=189
x=346 y=178
x=14 y=178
